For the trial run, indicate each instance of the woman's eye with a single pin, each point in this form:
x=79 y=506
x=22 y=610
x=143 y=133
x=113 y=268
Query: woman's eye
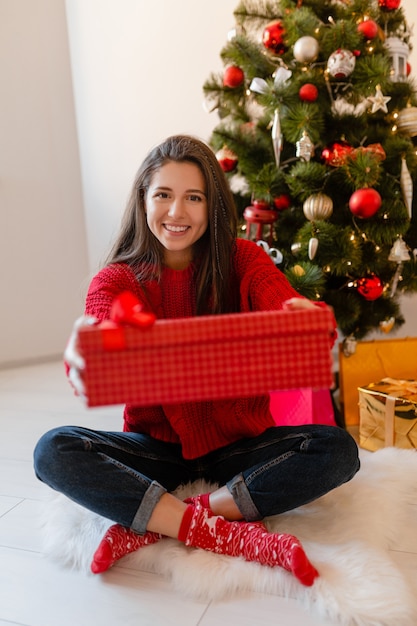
x=195 y=198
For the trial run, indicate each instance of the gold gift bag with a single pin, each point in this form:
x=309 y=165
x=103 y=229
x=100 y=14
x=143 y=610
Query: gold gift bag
x=388 y=414
x=372 y=361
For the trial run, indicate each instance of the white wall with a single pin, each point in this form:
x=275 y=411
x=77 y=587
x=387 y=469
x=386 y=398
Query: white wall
x=43 y=252
x=138 y=71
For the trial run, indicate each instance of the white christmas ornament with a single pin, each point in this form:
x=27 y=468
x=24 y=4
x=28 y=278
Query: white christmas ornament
x=379 y=101
x=281 y=76
x=259 y=85
x=398 y=51
x=406 y=186
x=275 y=254
x=239 y=185
x=341 y=63
x=341 y=107
x=306 y=49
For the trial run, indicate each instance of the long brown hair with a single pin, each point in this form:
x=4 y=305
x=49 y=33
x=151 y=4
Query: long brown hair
x=138 y=247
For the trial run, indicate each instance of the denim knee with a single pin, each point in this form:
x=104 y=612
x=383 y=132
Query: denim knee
x=346 y=454
x=46 y=454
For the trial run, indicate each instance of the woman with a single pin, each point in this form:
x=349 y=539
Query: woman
x=178 y=252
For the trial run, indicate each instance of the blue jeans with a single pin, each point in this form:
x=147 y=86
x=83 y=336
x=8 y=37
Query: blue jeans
x=122 y=476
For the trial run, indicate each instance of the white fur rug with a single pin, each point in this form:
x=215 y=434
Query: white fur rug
x=347 y=535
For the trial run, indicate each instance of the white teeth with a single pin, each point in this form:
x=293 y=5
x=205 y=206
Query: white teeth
x=176 y=229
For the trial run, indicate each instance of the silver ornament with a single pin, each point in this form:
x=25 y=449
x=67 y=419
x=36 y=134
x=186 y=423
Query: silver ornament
x=304 y=147
x=407 y=121
x=306 y=49
x=406 y=186
x=399 y=251
x=318 y=206
x=277 y=138
x=313 y=244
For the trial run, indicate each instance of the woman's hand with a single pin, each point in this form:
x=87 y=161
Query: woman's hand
x=295 y=304
x=73 y=360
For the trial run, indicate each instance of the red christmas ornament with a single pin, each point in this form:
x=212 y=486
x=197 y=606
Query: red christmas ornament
x=273 y=37
x=308 y=92
x=365 y=203
x=370 y=287
x=227 y=159
x=233 y=76
x=261 y=205
x=368 y=28
x=282 y=202
x=336 y=154
x=389 y=5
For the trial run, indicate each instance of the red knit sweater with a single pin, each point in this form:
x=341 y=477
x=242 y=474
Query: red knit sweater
x=200 y=427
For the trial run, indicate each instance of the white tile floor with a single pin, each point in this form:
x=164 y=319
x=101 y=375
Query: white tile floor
x=37 y=592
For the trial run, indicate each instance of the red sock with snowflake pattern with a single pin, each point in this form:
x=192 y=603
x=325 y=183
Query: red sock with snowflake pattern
x=117 y=542
x=251 y=540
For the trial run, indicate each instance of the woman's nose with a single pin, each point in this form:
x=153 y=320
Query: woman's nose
x=176 y=208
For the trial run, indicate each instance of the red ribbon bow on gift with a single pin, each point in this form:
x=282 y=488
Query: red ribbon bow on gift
x=127 y=309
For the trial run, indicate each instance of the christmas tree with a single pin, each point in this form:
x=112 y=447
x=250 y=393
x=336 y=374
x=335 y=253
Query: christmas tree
x=317 y=123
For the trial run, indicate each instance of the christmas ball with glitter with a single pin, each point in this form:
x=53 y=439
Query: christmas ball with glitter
x=365 y=202
x=341 y=63
x=306 y=49
x=273 y=37
x=370 y=287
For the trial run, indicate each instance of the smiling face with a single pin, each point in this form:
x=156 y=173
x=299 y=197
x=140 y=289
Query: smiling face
x=176 y=210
